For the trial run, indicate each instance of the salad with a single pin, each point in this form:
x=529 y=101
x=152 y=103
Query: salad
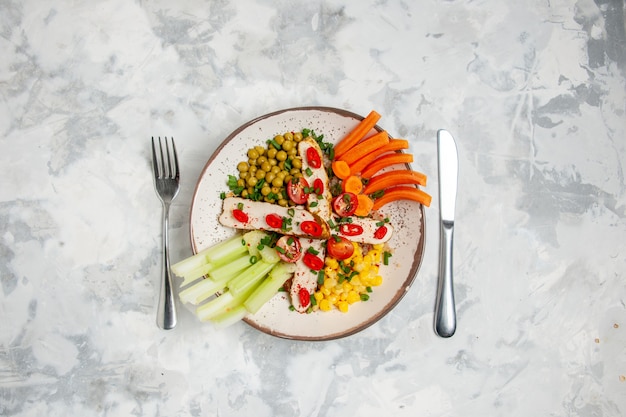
x=311 y=224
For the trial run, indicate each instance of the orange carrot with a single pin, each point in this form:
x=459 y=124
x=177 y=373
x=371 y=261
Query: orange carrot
x=396 y=177
x=364 y=206
x=402 y=192
x=356 y=134
x=393 y=145
x=341 y=169
x=385 y=161
x=367 y=146
x=352 y=184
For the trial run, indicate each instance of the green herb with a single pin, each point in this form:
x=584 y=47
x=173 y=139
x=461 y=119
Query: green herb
x=308 y=172
x=378 y=194
x=253 y=259
x=386 y=256
x=312 y=251
x=365 y=297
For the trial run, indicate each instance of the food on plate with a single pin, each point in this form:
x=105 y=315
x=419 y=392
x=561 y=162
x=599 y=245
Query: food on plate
x=310 y=216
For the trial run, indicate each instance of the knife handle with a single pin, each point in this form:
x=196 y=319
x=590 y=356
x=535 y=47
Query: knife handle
x=445 y=311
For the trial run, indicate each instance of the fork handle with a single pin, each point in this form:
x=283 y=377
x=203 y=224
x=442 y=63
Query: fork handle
x=166 y=313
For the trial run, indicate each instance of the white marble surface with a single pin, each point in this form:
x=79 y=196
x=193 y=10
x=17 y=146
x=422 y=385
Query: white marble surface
x=535 y=93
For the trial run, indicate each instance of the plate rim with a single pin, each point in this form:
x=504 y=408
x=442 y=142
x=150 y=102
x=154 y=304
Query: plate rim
x=418 y=255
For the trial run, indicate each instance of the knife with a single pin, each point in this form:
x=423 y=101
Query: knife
x=445 y=311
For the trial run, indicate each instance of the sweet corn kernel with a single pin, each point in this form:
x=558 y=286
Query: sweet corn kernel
x=353 y=297
x=377 y=280
x=325 y=305
x=343 y=306
x=318 y=296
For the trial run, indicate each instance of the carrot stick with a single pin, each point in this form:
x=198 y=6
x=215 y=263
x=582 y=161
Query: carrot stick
x=352 y=184
x=364 y=206
x=385 y=161
x=396 y=177
x=402 y=192
x=363 y=148
x=393 y=145
x=356 y=134
x=341 y=169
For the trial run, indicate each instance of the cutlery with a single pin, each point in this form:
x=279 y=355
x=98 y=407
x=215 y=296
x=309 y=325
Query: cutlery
x=445 y=311
x=167 y=184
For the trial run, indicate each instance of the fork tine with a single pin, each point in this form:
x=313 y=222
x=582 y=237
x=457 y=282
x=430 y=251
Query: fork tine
x=155 y=161
x=163 y=167
x=175 y=170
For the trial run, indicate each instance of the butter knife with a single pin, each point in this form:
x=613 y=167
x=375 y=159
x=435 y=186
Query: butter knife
x=445 y=311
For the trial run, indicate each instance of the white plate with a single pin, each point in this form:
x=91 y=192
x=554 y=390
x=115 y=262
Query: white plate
x=275 y=318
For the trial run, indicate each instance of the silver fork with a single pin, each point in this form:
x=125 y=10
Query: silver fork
x=166 y=182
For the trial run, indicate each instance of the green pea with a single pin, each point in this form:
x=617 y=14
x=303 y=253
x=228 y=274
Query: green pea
x=265 y=190
x=287 y=145
x=277 y=182
x=265 y=166
x=243 y=166
x=281 y=155
x=279 y=139
x=259 y=174
x=252 y=181
x=253 y=153
x=297 y=136
x=271 y=153
x=296 y=163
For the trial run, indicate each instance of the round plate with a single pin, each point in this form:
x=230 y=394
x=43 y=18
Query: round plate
x=275 y=318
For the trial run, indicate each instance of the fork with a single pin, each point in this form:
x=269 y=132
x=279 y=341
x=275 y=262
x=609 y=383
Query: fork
x=167 y=184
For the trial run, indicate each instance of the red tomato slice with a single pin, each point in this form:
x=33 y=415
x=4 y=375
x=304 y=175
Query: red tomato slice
x=312 y=261
x=345 y=204
x=380 y=232
x=240 y=215
x=304 y=296
x=339 y=247
x=296 y=190
x=274 y=220
x=289 y=248
x=318 y=186
x=311 y=228
x=313 y=158
x=349 y=229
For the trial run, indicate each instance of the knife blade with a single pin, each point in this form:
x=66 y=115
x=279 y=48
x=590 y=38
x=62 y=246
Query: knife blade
x=448 y=162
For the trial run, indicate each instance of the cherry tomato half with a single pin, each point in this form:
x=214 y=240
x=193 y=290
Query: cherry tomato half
x=274 y=220
x=312 y=261
x=304 y=296
x=318 y=186
x=313 y=158
x=380 y=232
x=289 y=248
x=345 y=204
x=311 y=228
x=349 y=229
x=296 y=190
x=240 y=215
x=339 y=247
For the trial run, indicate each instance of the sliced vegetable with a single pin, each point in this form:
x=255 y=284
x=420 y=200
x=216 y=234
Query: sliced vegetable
x=312 y=261
x=392 y=178
x=356 y=134
x=289 y=248
x=339 y=247
x=274 y=220
x=352 y=184
x=350 y=229
x=304 y=296
x=385 y=161
x=296 y=190
x=248 y=280
x=392 y=146
x=403 y=192
x=381 y=232
x=311 y=228
x=269 y=287
x=341 y=169
x=318 y=186
x=365 y=147
x=345 y=204
x=313 y=157
x=365 y=205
